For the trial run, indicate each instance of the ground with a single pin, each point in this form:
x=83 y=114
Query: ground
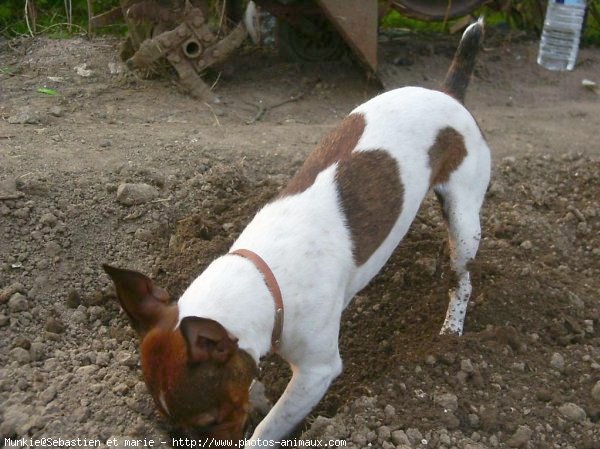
x=525 y=374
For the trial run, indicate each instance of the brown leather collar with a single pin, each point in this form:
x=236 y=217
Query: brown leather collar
x=273 y=287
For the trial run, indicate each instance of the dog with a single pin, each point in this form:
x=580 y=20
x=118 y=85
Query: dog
x=297 y=265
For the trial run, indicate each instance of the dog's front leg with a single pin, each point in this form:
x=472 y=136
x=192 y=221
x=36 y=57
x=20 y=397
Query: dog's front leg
x=305 y=390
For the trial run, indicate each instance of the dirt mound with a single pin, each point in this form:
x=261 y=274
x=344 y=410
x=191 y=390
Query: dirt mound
x=534 y=313
x=229 y=200
x=524 y=372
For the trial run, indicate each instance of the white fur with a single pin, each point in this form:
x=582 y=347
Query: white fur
x=304 y=240
x=251 y=21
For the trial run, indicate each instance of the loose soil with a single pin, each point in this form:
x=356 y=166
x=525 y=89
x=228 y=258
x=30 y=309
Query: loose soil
x=525 y=374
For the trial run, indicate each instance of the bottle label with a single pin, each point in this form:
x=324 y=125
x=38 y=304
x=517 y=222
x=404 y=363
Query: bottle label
x=571 y=2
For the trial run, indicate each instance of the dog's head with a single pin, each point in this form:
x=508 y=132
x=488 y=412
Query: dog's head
x=196 y=373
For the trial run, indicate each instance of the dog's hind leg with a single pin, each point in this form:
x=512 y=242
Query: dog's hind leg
x=461 y=203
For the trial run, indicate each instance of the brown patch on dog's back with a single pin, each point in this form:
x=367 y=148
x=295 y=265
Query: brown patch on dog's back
x=446 y=154
x=371 y=193
x=334 y=147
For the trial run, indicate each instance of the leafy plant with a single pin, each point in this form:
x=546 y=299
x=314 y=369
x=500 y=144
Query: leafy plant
x=55 y=18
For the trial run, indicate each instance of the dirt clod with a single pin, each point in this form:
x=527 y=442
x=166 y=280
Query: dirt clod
x=130 y=194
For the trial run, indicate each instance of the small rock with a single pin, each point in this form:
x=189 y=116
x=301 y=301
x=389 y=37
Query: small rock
x=87 y=370
x=389 y=411
x=576 y=301
x=4 y=320
x=18 y=303
x=493 y=441
x=121 y=389
x=53 y=249
x=448 y=401
x=228 y=226
x=521 y=437
x=8 y=189
x=49 y=219
x=473 y=420
x=21 y=342
x=102 y=359
x=130 y=194
x=519 y=366
x=7 y=292
x=73 y=299
x=105 y=143
x=496 y=189
x=450 y=420
x=96 y=388
x=14 y=423
x=126 y=358
x=572 y=412
x=173 y=242
x=54 y=326
x=115 y=68
x=79 y=316
x=144 y=235
x=596 y=391
x=56 y=111
x=399 y=437
x=154 y=177
x=359 y=439
x=371 y=436
x=384 y=433
x=24 y=118
x=80 y=414
x=414 y=436
x=527 y=245
x=48 y=395
x=557 y=361
x=82 y=70
x=37 y=351
x=467 y=366
x=430 y=360
x=444 y=438
x=94 y=299
x=20 y=355
x=427 y=264
x=448 y=358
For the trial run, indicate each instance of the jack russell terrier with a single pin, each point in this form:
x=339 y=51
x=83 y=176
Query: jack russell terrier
x=307 y=253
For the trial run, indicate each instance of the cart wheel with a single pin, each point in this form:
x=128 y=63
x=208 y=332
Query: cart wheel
x=311 y=39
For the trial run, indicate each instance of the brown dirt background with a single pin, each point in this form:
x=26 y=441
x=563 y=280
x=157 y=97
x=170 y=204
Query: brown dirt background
x=536 y=278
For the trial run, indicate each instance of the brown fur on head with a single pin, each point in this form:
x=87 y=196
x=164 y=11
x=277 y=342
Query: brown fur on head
x=196 y=373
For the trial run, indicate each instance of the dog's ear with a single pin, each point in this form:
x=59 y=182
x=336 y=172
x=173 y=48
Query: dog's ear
x=207 y=340
x=145 y=304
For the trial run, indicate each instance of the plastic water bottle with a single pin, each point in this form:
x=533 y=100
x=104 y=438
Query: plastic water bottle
x=560 y=38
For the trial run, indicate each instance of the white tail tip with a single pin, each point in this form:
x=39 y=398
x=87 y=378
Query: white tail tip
x=251 y=21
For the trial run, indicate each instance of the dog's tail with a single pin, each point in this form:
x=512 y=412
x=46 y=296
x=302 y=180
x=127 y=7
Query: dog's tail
x=461 y=69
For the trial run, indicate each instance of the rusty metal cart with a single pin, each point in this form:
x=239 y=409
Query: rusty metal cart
x=178 y=31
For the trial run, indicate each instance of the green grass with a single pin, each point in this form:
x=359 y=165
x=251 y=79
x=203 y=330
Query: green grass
x=52 y=18
x=526 y=15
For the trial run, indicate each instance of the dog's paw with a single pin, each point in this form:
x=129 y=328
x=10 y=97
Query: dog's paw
x=452 y=329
